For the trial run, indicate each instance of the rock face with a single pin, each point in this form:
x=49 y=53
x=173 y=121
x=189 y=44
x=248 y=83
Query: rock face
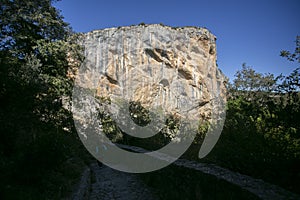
x=155 y=65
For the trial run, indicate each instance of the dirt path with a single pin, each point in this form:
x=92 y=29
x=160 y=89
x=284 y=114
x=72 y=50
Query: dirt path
x=105 y=183
x=111 y=184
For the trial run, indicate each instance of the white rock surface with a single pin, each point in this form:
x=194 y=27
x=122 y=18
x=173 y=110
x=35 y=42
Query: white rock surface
x=155 y=65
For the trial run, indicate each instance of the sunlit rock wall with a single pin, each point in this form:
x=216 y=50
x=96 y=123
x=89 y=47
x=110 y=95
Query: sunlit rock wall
x=154 y=64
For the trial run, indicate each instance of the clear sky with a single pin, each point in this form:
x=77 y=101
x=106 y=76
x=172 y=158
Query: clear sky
x=252 y=31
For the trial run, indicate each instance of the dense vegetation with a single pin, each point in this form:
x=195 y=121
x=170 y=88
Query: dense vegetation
x=37 y=138
x=261 y=135
x=40 y=154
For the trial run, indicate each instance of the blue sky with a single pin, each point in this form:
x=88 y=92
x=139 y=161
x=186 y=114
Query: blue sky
x=253 y=32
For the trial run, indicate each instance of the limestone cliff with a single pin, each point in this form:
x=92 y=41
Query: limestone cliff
x=154 y=65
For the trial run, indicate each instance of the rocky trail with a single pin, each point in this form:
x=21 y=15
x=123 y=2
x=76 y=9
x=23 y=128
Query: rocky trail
x=111 y=184
x=102 y=182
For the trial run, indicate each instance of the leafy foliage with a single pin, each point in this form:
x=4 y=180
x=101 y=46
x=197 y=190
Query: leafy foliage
x=35 y=74
x=261 y=135
x=248 y=80
x=293 y=56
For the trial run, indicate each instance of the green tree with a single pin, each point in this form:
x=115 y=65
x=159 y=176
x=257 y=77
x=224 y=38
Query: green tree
x=247 y=80
x=291 y=83
x=290 y=86
x=34 y=45
x=35 y=74
x=293 y=56
x=262 y=124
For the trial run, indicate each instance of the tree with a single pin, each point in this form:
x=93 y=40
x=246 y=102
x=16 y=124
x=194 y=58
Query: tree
x=253 y=87
x=35 y=42
x=291 y=83
x=292 y=56
x=290 y=86
x=35 y=50
x=262 y=124
x=248 y=80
